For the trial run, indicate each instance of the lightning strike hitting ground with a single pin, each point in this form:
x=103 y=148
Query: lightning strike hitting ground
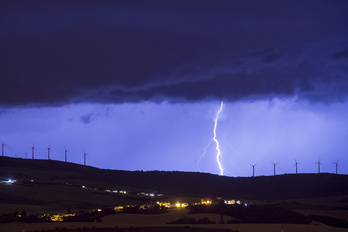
x=219 y=153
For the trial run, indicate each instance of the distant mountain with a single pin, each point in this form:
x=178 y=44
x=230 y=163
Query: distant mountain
x=191 y=184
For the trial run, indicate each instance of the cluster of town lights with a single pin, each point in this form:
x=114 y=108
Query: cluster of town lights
x=119 y=209
x=9 y=181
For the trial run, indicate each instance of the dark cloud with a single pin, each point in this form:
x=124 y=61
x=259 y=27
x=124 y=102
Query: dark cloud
x=265 y=83
x=341 y=55
x=267 y=55
x=57 y=53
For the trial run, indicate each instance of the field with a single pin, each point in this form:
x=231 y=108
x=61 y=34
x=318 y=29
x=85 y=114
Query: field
x=131 y=220
x=37 y=198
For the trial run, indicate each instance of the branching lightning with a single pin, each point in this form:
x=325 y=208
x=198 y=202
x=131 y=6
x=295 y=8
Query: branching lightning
x=219 y=153
x=217 y=147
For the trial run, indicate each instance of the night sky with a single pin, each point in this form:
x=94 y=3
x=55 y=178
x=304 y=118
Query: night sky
x=137 y=84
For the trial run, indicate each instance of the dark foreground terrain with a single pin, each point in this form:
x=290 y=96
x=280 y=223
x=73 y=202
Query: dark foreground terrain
x=33 y=191
x=144 y=229
x=177 y=183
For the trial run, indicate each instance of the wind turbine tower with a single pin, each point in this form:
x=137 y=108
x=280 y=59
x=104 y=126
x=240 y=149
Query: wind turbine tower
x=274 y=168
x=336 y=167
x=3 y=149
x=66 y=155
x=319 y=163
x=49 y=153
x=32 y=152
x=296 y=163
x=253 y=165
x=84 y=160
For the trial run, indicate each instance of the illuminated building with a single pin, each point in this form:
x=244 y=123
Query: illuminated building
x=61 y=217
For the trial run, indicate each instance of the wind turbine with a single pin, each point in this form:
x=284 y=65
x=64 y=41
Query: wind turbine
x=3 y=149
x=296 y=163
x=49 y=152
x=84 y=159
x=66 y=155
x=274 y=168
x=32 y=152
x=336 y=163
x=319 y=163
x=253 y=165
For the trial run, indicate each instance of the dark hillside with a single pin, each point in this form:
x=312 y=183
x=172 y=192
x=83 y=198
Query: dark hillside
x=180 y=183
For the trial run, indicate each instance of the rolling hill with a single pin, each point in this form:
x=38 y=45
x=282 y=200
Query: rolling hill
x=59 y=183
x=178 y=183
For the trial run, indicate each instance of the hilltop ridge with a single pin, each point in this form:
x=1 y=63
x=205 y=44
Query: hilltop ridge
x=179 y=183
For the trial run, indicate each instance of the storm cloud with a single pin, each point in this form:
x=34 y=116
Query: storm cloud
x=55 y=53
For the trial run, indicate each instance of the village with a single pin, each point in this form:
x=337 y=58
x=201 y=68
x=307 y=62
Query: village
x=155 y=203
x=95 y=215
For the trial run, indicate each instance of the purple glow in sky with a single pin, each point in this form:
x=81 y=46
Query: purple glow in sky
x=137 y=84
x=151 y=136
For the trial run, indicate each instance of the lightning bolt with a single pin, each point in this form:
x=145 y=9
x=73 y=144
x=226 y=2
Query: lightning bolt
x=214 y=139
x=219 y=153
